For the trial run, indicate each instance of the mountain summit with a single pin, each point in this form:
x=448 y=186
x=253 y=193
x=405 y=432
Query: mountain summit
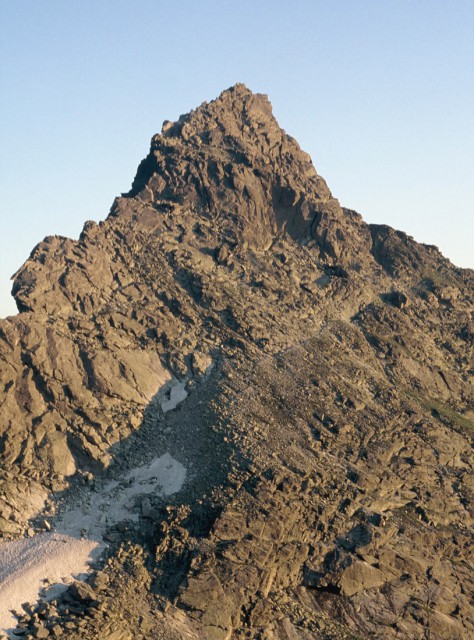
x=257 y=406
x=230 y=158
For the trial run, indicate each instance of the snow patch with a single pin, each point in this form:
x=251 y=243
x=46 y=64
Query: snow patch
x=26 y=565
x=58 y=557
x=61 y=556
x=115 y=501
x=174 y=395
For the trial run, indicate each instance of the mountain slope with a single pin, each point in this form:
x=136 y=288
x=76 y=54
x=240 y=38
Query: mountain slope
x=327 y=430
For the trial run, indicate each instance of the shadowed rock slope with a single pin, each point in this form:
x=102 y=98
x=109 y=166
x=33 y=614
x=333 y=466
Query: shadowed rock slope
x=330 y=481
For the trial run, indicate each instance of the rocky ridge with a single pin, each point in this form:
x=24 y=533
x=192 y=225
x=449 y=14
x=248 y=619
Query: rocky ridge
x=331 y=483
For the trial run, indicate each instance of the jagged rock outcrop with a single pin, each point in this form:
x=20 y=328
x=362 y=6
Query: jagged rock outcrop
x=331 y=491
x=231 y=159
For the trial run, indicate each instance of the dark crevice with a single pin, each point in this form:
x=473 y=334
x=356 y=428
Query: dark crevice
x=328 y=588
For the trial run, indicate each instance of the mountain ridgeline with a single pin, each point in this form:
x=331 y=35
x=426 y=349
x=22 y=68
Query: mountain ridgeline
x=328 y=422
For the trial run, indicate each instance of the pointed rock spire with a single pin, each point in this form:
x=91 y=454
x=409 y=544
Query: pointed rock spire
x=230 y=158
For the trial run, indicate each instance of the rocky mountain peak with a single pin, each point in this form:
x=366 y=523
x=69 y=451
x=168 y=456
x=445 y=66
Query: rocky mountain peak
x=231 y=160
x=235 y=112
x=263 y=405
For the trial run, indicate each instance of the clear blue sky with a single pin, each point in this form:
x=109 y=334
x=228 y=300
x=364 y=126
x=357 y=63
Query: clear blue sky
x=379 y=92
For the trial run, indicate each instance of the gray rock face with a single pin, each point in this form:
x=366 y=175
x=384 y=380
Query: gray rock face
x=230 y=158
x=330 y=411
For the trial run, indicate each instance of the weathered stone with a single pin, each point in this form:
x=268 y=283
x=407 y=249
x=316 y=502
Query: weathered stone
x=82 y=591
x=201 y=363
x=8 y=527
x=360 y=576
x=40 y=631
